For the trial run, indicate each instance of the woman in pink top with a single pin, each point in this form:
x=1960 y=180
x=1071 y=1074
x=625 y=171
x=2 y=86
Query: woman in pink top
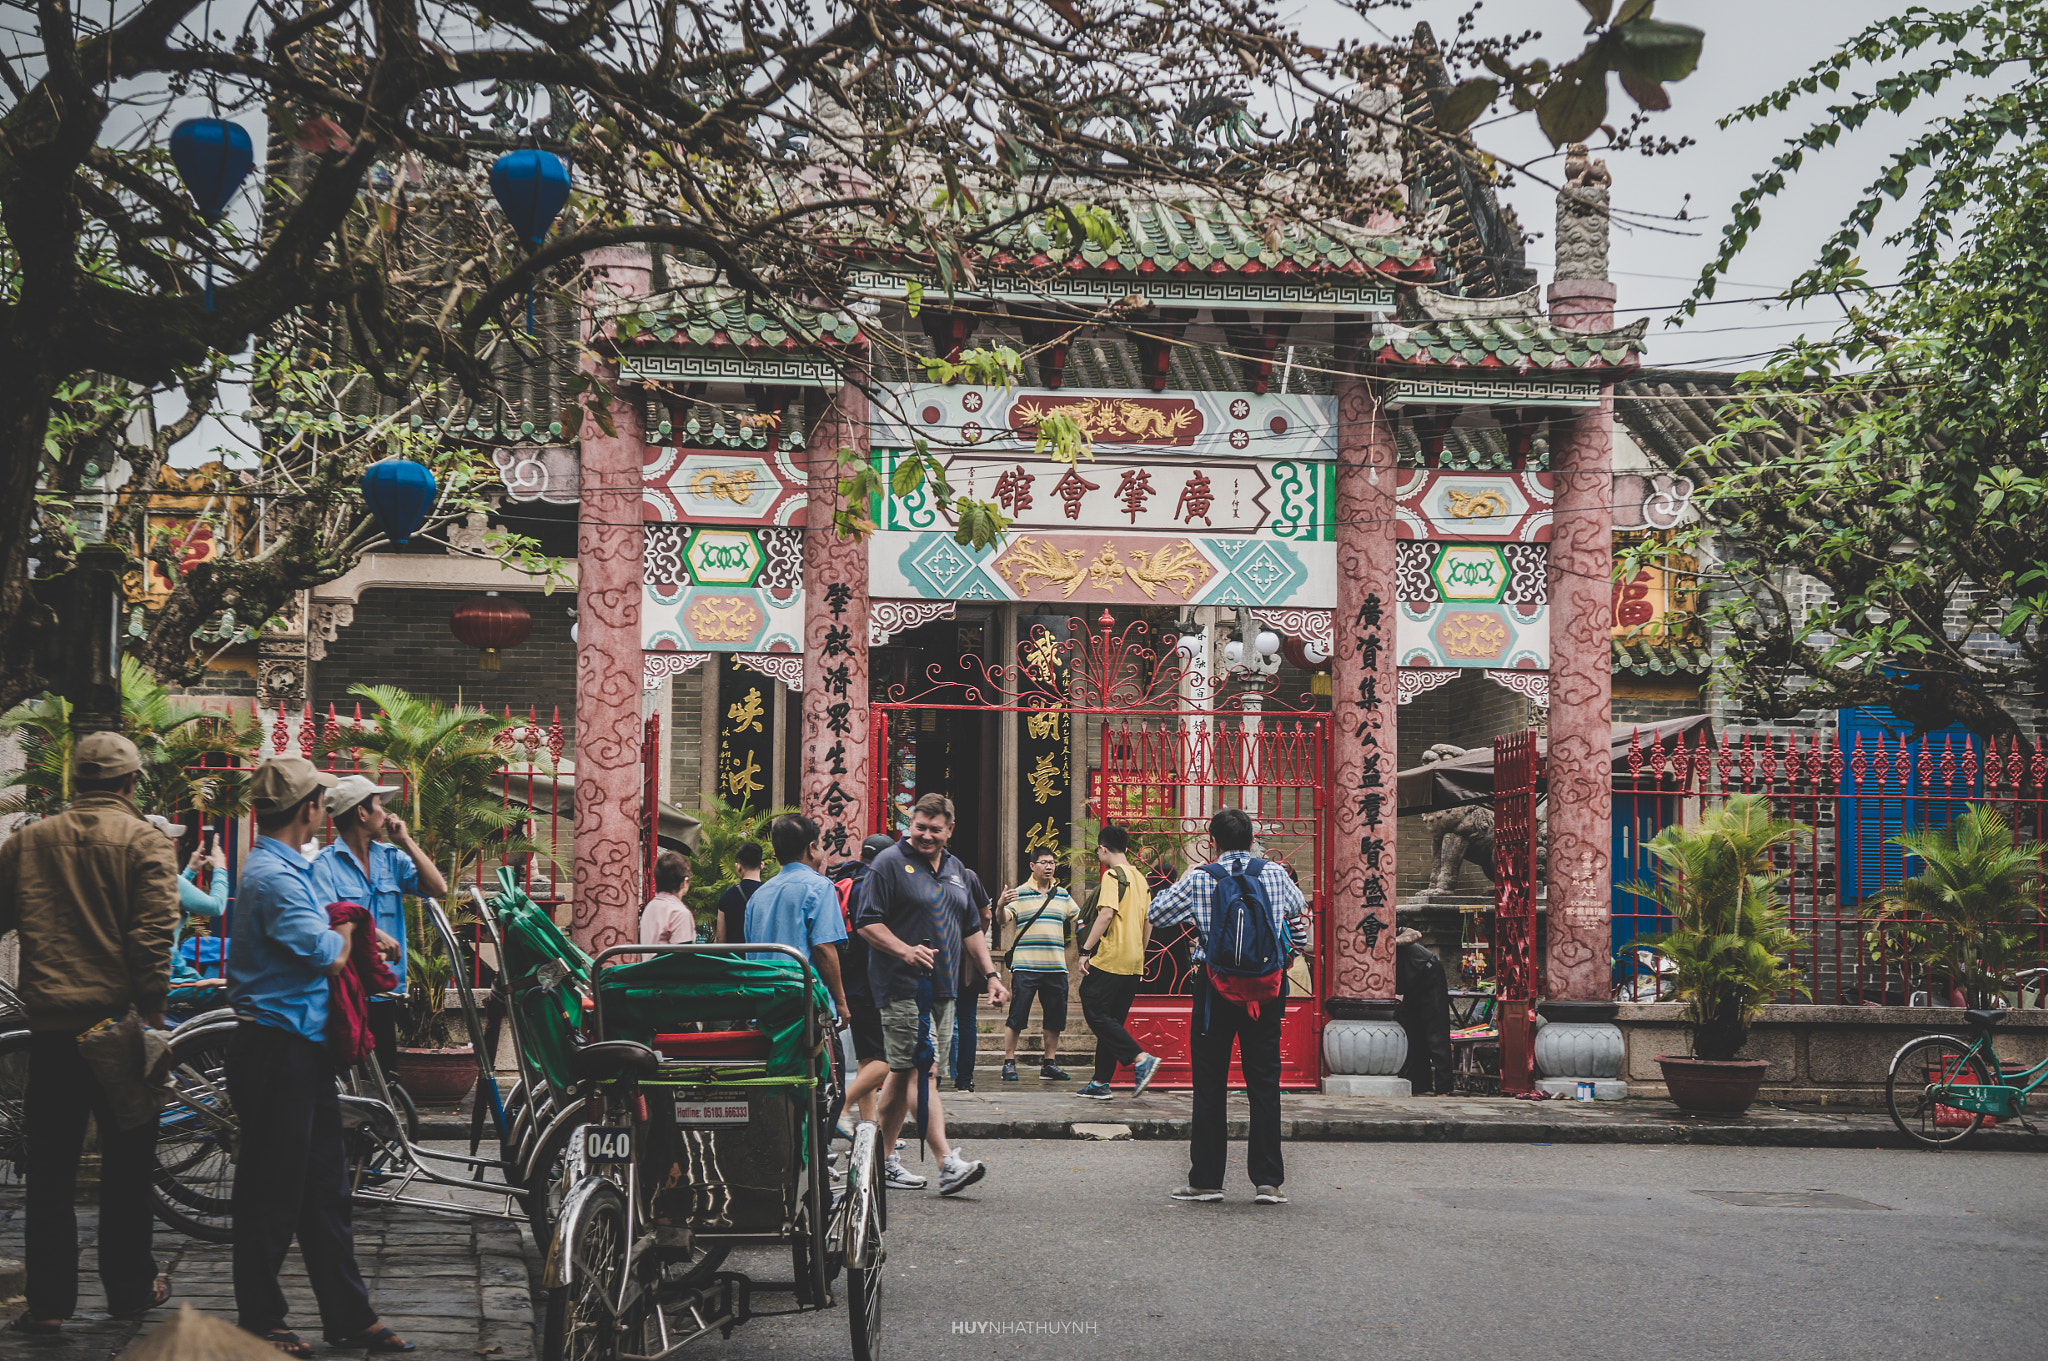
x=666 y=919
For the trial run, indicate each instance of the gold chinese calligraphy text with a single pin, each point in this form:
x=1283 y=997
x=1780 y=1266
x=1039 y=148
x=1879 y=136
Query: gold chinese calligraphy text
x=723 y=619
x=1177 y=562
x=740 y=781
x=736 y=486
x=1042 y=836
x=1036 y=558
x=1044 y=778
x=1479 y=636
x=745 y=716
x=1042 y=659
x=1043 y=725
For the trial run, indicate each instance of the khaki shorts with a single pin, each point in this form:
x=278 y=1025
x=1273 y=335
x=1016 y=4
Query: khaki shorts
x=899 y=1034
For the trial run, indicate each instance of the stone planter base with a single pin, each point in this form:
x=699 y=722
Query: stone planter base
x=1342 y=1085
x=1713 y=1087
x=1364 y=1048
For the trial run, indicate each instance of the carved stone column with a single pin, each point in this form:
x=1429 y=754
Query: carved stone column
x=1578 y=766
x=1363 y=703
x=609 y=544
x=835 y=722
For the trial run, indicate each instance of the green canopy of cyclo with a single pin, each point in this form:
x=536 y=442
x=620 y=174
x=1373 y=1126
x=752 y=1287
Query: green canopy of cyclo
x=656 y=995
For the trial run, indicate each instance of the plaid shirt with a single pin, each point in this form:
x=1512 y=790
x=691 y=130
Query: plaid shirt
x=1193 y=899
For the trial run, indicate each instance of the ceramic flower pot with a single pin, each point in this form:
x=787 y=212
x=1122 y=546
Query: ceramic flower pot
x=436 y=1077
x=1713 y=1086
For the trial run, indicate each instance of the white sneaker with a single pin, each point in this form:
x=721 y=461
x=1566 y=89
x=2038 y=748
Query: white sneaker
x=956 y=1174
x=901 y=1178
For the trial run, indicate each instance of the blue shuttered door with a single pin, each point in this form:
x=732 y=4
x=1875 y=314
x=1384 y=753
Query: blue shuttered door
x=1884 y=803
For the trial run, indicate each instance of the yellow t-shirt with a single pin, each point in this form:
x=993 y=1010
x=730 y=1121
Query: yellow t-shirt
x=1122 y=947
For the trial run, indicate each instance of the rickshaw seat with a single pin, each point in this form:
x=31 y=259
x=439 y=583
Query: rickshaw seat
x=715 y=1046
x=616 y=1058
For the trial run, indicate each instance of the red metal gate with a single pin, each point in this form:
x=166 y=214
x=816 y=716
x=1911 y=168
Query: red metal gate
x=1169 y=754
x=1517 y=768
x=1163 y=775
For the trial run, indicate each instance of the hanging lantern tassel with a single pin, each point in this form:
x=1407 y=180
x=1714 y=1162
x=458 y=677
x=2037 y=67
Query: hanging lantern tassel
x=213 y=157
x=531 y=187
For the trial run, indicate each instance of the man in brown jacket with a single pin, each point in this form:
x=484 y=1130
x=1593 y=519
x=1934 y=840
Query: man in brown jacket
x=94 y=893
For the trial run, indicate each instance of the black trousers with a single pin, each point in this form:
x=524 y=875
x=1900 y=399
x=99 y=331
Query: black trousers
x=1432 y=1064
x=291 y=1182
x=62 y=1091
x=1105 y=1001
x=1213 y=1026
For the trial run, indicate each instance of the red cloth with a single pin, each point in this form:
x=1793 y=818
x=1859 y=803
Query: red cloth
x=349 y=992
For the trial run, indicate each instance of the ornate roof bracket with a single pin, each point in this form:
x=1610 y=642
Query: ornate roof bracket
x=1156 y=341
x=1256 y=342
x=1046 y=337
x=949 y=331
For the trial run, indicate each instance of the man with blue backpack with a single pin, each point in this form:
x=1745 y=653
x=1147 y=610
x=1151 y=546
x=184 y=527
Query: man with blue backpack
x=1243 y=909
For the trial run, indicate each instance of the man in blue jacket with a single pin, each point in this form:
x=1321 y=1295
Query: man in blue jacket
x=291 y=1180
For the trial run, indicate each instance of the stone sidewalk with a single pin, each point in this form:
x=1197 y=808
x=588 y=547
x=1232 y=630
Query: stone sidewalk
x=1031 y=1109
x=457 y=1287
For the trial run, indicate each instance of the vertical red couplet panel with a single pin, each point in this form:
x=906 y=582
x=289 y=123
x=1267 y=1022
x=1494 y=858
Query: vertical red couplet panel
x=835 y=787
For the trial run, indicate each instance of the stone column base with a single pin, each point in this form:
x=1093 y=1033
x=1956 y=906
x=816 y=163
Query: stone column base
x=1604 y=1088
x=1340 y=1085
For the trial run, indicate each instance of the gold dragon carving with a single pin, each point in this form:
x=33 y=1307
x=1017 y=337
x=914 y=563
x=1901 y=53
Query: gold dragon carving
x=1475 y=505
x=1176 y=567
x=736 y=486
x=1111 y=418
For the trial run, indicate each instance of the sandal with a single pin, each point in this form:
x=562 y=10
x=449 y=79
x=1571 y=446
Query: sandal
x=36 y=1327
x=377 y=1339
x=159 y=1296
x=288 y=1342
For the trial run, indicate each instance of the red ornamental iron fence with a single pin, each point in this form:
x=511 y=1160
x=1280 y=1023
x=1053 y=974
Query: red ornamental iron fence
x=535 y=782
x=1852 y=800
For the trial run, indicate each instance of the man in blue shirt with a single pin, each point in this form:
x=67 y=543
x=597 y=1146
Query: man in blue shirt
x=799 y=907
x=292 y=1176
x=373 y=860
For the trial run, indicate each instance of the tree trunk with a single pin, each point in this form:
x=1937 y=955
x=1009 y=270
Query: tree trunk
x=25 y=401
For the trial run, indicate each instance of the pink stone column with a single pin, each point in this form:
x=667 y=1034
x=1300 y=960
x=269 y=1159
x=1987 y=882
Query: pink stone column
x=1580 y=881
x=1363 y=696
x=835 y=719
x=609 y=541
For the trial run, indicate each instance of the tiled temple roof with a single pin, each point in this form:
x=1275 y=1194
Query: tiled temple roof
x=1521 y=344
x=1661 y=659
x=712 y=318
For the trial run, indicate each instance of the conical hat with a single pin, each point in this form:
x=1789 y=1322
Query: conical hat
x=189 y=1335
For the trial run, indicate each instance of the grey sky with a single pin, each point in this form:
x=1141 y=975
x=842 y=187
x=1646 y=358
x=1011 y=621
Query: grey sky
x=1752 y=47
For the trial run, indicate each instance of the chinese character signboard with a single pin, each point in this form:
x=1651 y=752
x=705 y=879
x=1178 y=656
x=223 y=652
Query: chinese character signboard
x=1044 y=746
x=746 y=737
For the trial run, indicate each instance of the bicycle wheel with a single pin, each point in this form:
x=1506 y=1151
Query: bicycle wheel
x=864 y=1264
x=13 y=1104
x=195 y=1142
x=579 y=1323
x=1919 y=1068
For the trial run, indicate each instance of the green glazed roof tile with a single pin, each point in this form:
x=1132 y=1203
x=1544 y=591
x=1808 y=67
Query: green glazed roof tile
x=1518 y=344
x=717 y=317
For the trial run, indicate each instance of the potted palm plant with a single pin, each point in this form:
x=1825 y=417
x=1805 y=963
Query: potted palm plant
x=1728 y=944
x=725 y=827
x=447 y=758
x=1969 y=915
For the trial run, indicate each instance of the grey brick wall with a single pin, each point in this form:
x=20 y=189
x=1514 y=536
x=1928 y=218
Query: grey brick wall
x=401 y=637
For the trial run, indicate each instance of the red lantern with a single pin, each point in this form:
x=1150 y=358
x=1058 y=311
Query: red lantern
x=490 y=623
x=1298 y=655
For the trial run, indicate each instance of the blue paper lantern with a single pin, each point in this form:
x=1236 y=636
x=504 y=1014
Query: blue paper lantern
x=399 y=493
x=531 y=186
x=213 y=157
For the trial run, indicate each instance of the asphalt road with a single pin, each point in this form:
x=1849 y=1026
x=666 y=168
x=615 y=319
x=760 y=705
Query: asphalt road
x=1496 y=1251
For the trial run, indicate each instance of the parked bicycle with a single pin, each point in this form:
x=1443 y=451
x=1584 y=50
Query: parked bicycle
x=1943 y=1088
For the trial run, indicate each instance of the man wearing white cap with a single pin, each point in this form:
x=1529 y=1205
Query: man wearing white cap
x=291 y=1179
x=373 y=860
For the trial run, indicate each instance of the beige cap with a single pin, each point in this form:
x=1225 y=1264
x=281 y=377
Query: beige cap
x=351 y=790
x=104 y=756
x=284 y=782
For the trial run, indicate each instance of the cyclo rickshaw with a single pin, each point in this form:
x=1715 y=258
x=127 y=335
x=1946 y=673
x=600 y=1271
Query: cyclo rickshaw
x=642 y=1149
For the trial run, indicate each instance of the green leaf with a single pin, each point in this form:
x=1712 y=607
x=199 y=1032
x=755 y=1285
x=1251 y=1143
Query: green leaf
x=913 y=297
x=1574 y=104
x=1657 y=51
x=1646 y=93
x=1597 y=8
x=1466 y=103
x=1633 y=9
